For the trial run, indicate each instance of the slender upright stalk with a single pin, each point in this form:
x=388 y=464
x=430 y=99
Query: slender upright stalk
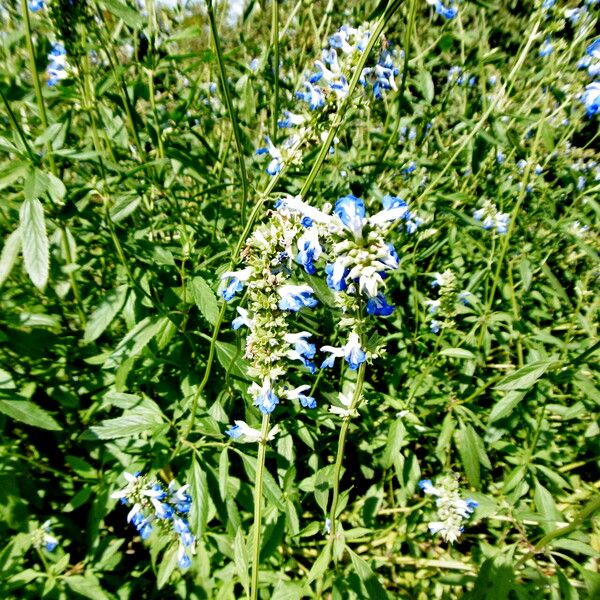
x=36 y=81
x=356 y=398
x=258 y=487
x=230 y=109
x=275 y=45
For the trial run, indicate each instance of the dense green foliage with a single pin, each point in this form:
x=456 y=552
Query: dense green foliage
x=126 y=190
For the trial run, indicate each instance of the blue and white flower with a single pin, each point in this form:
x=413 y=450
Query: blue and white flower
x=298 y=394
x=234 y=282
x=452 y=509
x=242 y=319
x=57 y=65
x=591 y=98
x=351 y=351
x=295 y=297
x=448 y=12
x=309 y=249
x=264 y=396
x=36 y=5
x=301 y=349
x=276 y=160
x=242 y=432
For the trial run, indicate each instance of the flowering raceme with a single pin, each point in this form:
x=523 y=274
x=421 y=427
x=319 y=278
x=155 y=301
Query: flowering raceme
x=271 y=300
x=153 y=507
x=452 y=509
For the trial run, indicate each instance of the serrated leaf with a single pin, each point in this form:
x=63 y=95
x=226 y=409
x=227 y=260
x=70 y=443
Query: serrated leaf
x=168 y=564
x=469 y=455
x=10 y=252
x=205 y=300
x=457 y=353
x=35 y=241
x=86 y=587
x=525 y=377
x=240 y=558
x=320 y=565
x=136 y=421
x=231 y=360
x=199 y=493
x=103 y=316
x=504 y=407
x=135 y=341
x=29 y=413
x=130 y=17
x=375 y=590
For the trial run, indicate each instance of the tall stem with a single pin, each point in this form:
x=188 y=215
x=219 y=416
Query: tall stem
x=275 y=44
x=258 y=488
x=230 y=109
x=36 y=82
x=356 y=398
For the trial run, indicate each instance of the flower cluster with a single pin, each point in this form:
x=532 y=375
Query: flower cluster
x=442 y=310
x=358 y=261
x=154 y=507
x=448 y=12
x=324 y=88
x=452 y=509
x=490 y=217
x=57 y=65
x=271 y=298
x=42 y=537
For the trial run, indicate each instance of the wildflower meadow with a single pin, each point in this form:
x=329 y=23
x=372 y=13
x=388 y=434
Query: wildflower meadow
x=299 y=299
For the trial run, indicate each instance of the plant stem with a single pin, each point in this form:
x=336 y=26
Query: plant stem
x=258 y=487
x=356 y=398
x=275 y=45
x=230 y=109
x=36 y=82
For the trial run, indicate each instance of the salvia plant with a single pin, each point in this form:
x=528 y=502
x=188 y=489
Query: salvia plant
x=299 y=299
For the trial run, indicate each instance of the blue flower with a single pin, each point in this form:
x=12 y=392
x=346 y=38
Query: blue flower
x=352 y=353
x=298 y=394
x=546 y=48
x=428 y=487
x=351 y=212
x=243 y=319
x=234 y=282
x=56 y=69
x=591 y=98
x=290 y=119
x=593 y=49
x=276 y=163
x=378 y=306
x=309 y=249
x=302 y=349
x=264 y=398
x=313 y=96
x=336 y=275
x=295 y=297
x=448 y=12
x=35 y=5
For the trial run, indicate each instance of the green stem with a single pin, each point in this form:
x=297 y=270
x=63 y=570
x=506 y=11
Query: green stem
x=36 y=82
x=412 y=11
x=275 y=45
x=589 y=509
x=356 y=398
x=258 y=488
x=230 y=109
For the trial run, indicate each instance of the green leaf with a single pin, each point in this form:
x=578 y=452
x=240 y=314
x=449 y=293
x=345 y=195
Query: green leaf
x=504 y=407
x=168 y=564
x=426 y=85
x=135 y=341
x=141 y=419
x=35 y=241
x=199 y=493
x=86 y=587
x=395 y=438
x=544 y=504
x=205 y=300
x=374 y=588
x=231 y=360
x=29 y=413
x=9 y=255
x=525 y=377
x=466 y=442
x=130 y=17
x=457 y=353
x=321 y=564
x=241 y=559
x=107 y=310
